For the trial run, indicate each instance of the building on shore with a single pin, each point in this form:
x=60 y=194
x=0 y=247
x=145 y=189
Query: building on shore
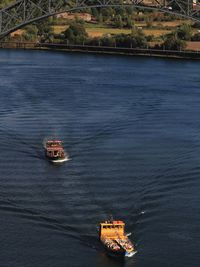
x=71 y=16
x=150 y=3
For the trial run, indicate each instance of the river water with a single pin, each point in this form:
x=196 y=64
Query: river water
x=131 y=127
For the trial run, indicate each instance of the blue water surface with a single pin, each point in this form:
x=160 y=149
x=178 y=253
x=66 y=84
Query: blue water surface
x=131 y=127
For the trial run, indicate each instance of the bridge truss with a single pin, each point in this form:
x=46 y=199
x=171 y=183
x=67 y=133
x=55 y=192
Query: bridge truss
x=23 y=12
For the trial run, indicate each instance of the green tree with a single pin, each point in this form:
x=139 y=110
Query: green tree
x=184 y=32
x=107 y=14
x=45 y=31
x=129 y=10
x=95 y=12
x=107 y=41
x=100 y=18
x=30 y=33
x=172 y=42
x=140 y=40
x=118 y=23
x=129 y=23
x=135 y=40
x=76 y=33
x=122 y=10
x=4 y=3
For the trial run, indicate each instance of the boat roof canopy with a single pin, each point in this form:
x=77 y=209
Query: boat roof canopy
x=52 y=145
x=54 y=141
x=112 y=223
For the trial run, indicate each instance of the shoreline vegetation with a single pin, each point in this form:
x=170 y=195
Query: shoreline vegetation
x=110 y=29
x=172 y=35
x=174 y=54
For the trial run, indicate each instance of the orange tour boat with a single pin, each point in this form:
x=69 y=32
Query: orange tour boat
x=115 y=241
x=54 y=151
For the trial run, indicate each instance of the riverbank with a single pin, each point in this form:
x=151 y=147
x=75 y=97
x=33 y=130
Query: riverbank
x=102 y=50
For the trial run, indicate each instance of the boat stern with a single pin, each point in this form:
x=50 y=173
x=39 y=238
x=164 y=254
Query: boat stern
x=130 y=254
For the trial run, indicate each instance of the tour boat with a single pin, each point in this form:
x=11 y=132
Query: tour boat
x=55 y=152
x=115 y=241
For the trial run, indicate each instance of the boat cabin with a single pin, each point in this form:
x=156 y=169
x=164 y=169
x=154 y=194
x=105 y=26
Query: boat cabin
x=53 y=144
x=54 y=149
x=111 y=229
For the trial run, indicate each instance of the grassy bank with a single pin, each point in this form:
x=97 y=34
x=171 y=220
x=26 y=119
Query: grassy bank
x=96 y=29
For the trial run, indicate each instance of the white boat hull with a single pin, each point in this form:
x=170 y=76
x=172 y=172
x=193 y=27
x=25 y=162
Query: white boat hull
x=59 y=160
x=130 y=254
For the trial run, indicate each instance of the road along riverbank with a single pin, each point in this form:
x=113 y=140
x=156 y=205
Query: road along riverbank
x=103 y=50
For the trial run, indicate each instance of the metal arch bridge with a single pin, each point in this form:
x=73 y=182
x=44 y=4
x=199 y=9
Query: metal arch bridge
x=23 y=12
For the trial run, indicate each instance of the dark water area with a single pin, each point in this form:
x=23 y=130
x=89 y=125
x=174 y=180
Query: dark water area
x=131 y=127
